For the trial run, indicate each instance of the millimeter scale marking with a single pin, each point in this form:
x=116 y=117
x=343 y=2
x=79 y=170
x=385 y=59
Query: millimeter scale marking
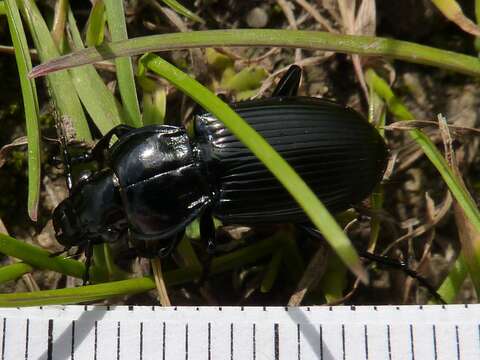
x=327 y=333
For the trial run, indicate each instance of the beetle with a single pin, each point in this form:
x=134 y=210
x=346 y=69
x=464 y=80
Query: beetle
x=155 y=180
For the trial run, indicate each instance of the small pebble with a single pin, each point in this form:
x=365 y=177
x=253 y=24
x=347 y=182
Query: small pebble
x=257 y=18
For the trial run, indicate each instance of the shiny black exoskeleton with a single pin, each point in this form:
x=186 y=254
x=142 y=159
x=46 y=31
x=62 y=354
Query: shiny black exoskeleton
x=155 y=180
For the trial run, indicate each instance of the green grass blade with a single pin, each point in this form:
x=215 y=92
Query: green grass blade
x=188 y=255
x=313 y=40
x=271 y=273
x=377 y=114
x=182 y=10
x=78 y=294
x=30 y=103
x=245 y=256
x=452 y=11
x=100 y=103
x=60 y=84
x=454 y=184
x=315 y=210
x=454 y=281
x=154 y=106
x=96 y=24
x=39 y=258
x=3 y=9
x=334 y=280
x=126 y=80
x=13 y=271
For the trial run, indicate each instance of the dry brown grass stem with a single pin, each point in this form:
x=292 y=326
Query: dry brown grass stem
x=286 y=7
x=160 y=282
x=316 y=15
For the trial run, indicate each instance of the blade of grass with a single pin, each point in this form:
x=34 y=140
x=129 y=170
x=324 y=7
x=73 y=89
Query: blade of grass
x=477 y=19
x=377 y=115
x=453 y=282
x=312 y=206
x=455 y=184
x=271 y=274
x=220 y=264
x=293 y=263
x=3 y=9
x=477 y=11
x=182 y=10
x=60 y=84
x=59 y=20
x=114 y=272
x=78 y=294
x=39 y=258
x=96 y=24
x=452 y=11
x=13 y=271
x=30 y=103
x=154 y=106
x=100 y=103
x=314 y=40
x=126 y=81
x=334 y=281
x=187 y=254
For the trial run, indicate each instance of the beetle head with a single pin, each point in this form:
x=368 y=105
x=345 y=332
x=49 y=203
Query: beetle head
x=93 y=212
x=65 y=222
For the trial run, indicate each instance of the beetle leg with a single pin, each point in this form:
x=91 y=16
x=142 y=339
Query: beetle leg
x=88 y=262
x=58 y=253
x=156 y=247
x=97 y=153
x=164 y=252
x=207 y=234
x=386 y=261
x=207 y=230
x=289 y=83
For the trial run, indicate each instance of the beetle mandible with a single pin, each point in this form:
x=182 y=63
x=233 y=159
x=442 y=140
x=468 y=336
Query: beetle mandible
x=157 y=179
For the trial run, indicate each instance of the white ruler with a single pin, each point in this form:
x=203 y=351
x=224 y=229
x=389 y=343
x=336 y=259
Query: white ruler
x=242 y=333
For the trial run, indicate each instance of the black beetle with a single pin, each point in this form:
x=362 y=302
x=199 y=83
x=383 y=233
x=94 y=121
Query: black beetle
x=155 y=180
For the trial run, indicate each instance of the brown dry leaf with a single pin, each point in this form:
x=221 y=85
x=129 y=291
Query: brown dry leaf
x=347 y=12
x=361 y=22
x=316 y=15
x=198 y=63
x=452 y=11
x=431 y=222
x=422 y=265
x=313 y=273
x=366 y=19
x=420 y=124
x=332 y=7
x=5 y=150
x=292 y=22
x=3 y=229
